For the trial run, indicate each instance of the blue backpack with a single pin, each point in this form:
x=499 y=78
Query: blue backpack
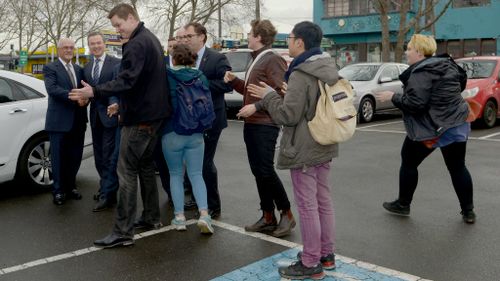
x=195 y=108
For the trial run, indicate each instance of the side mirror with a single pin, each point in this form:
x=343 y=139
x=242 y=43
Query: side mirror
x=385 y=79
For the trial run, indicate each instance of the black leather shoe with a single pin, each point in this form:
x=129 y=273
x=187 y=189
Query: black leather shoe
x=395 y=207
x=97 y=196
x=102 y=204
x=190 y=205
x=74 y=194
x=140 y=224
x=214 y=213
x=58 y=199
x=113 y=240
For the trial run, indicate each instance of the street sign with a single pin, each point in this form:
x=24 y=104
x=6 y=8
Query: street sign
x=23 y=58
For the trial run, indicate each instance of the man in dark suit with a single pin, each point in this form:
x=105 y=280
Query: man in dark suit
x=65 y=122
x=104 y=125
x=213 y=65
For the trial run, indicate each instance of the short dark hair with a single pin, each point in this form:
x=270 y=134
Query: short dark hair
x=198 y=28
x=265 y=29
x=122 y=11
x=183 y=55
x=309 y=32
x=96 y=33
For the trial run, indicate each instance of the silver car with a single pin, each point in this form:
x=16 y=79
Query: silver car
x=240 y=60
x=368 y=79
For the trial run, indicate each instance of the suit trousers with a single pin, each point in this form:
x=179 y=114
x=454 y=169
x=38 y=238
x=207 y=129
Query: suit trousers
x=260 y=141
x=135 y=160
x=66 y=156
x=211 y=138
x=104 y=142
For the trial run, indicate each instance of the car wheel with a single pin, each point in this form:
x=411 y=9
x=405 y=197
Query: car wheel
x=489 y=117
x=366 y=110
x=34 y=165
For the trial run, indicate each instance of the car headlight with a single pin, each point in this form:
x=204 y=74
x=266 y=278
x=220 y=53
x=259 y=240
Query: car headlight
x=470 y=93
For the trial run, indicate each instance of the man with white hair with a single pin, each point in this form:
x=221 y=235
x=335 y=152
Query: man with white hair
x=65 y=121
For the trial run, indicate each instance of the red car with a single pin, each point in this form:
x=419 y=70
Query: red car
x=483 y=86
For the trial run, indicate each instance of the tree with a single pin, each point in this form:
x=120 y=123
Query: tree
x=423 y=19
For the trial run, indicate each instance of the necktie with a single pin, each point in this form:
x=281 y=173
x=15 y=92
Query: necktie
x=71 y=76
x=95 y=73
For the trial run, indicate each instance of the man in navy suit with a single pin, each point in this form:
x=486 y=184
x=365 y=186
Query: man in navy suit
x=104 y=125
x=213 y=65
x=65 y=122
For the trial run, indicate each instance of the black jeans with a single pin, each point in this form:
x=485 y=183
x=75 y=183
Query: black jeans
x=211 y=138
x=261 y=144
x=414 y=152
x=135 y=160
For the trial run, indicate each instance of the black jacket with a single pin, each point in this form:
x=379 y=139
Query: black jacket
x=142 y=82
x=431 y=102
x=214 y=65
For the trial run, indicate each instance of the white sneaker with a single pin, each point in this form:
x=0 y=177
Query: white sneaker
x=205 y=225
x=179 y=223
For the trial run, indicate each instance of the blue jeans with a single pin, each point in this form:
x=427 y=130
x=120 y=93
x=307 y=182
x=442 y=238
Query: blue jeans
x=182 y=150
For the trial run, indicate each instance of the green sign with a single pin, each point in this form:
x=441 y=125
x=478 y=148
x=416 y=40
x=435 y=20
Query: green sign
x=23 y=58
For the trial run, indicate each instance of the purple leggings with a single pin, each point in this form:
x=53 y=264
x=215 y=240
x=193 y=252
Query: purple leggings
x=317 y=219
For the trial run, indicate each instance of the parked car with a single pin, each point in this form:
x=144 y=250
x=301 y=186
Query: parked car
x=483 y=86
x=240 y=60
x=368 y=79
x=24 y=145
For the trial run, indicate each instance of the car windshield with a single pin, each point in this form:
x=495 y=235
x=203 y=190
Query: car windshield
x=478 y=69
x=359 y=72
x=239 y=61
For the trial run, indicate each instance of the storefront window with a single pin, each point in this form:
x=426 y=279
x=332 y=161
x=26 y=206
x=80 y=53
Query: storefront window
x=471 y=48
x=345 y=54
x=488 y=47
x=454 y=49
x=374 y=53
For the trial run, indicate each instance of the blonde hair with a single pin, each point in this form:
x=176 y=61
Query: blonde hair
x=424 y=44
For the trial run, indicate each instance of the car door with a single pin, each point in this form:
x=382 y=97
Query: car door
x=388 y=80
x=15 y=113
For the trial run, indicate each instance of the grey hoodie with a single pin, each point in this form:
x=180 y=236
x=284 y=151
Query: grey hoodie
x=298 y=149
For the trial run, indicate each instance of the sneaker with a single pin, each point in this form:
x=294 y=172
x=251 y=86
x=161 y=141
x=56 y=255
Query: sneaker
x=328 y=261
x=140 y=224
x=205 y=225
x=299 y=271
x=396 y=208
x=263 y=226
x=179 y=223
x=468 y=216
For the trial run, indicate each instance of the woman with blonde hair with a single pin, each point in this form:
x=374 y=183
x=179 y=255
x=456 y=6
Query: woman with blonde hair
x=435 y=116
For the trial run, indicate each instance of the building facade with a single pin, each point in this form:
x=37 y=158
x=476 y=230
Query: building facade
x=468 y=27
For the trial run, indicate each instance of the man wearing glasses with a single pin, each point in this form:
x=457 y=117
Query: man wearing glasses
x=213 y=65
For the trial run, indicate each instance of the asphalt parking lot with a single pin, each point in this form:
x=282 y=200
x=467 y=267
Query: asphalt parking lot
x=40 y=241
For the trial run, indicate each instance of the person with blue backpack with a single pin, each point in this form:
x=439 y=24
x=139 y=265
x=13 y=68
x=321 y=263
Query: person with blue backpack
x=182 y=135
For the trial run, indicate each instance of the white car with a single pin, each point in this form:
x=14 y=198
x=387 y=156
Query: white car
x=24 y=145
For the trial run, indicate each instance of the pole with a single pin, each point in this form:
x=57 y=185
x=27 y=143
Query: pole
x=220 y=21
x=257 y=9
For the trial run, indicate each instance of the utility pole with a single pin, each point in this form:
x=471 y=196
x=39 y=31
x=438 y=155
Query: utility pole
x=257 y=9
x=220 y=21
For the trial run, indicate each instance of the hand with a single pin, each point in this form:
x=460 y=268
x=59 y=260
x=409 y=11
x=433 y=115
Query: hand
x=83 y=93
x=83 y=102
x=385 y=95
x=259 y=91
x=247 y=111
x=112 y=110
x=229 y=76
x=284 y=87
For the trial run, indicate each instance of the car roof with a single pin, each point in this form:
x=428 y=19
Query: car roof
x=480 y=58
x=31 y=82
x=378 y=63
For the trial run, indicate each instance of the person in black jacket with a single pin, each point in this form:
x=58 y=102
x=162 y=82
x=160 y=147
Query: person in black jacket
x=213 y=65
x=144 y=106
x=435 y=115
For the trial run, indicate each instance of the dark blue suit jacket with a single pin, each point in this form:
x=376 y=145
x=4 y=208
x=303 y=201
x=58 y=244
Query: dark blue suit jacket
x=61 y=111
x=98 y=107
x=214 y=66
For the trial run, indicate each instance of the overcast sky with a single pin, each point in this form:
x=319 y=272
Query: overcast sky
x=284 y=14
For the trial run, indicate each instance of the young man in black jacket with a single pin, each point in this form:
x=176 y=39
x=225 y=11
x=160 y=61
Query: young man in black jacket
x=143 y=89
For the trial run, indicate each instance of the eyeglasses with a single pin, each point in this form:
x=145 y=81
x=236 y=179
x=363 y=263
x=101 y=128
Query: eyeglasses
x=289 y=37
x=187 y=37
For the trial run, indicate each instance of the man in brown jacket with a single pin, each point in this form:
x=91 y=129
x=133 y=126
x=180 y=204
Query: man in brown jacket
x=260 y=132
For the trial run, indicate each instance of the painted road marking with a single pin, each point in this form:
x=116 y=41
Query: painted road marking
x=347 y=268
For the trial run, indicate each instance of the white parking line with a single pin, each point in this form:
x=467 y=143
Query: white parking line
x=381 y=124
x=220 y=224
x=489 y=136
